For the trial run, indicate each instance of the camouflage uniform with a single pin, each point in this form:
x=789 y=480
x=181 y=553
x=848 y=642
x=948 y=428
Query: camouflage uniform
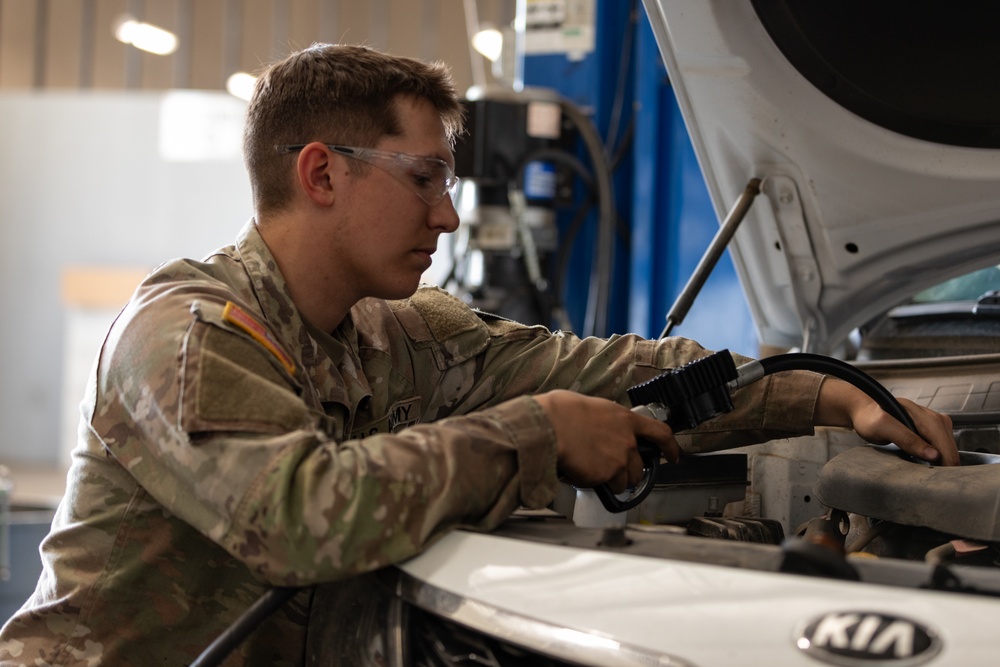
x=226 y=447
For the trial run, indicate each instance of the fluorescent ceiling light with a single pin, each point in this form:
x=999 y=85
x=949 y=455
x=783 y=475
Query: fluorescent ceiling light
x=488 y=42
x=145 y=36
x=241 y=85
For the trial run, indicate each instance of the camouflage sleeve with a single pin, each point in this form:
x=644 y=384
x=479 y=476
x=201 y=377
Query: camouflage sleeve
x=217 y=431
x=298 y=508
x=523 y=359
x=777 y=406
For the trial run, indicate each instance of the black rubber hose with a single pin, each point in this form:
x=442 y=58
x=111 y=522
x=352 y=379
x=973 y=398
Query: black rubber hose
x=796 y=361
x=236 y=633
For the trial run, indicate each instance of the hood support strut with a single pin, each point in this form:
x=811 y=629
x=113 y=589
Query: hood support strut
x=711 y=257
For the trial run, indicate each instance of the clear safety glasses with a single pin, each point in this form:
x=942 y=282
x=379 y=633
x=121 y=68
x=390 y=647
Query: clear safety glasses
x=429 y=178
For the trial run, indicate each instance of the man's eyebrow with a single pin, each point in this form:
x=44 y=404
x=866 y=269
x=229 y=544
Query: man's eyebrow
x=446 y=155
x=448 y=159
x=436 y=154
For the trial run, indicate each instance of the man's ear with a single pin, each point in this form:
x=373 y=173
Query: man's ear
x=314 y=171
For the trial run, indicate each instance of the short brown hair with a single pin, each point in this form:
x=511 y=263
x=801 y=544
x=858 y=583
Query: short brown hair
x=335 y=94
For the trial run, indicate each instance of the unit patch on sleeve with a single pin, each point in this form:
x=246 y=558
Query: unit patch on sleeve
x=238 y=317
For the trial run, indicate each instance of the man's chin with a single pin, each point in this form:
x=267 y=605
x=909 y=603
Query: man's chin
x=400 y=291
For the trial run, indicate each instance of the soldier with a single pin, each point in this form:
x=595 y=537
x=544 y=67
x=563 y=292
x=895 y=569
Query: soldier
x=293 y=410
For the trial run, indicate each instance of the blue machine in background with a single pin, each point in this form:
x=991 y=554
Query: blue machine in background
x=666 y=217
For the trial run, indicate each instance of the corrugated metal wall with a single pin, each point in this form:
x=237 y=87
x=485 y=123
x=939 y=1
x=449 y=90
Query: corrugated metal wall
x=68 y=44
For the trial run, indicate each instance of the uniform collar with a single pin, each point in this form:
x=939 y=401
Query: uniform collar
x=272 y=294
x=283 y=317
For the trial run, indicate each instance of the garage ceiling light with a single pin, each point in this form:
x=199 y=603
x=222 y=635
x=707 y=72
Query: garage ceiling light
x=488 y=42
x=145 y=36
x=241 y=85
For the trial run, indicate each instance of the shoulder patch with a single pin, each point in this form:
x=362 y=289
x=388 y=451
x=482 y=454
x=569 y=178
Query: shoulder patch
x=239 y=318
x=231 y=383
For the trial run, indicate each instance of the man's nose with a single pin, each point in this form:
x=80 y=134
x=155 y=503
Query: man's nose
x=444 y=216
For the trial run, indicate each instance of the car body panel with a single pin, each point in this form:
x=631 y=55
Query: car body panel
x=853 y=217
x=696 y=613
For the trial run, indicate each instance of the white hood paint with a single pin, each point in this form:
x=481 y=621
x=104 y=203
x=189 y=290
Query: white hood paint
x=853 y=217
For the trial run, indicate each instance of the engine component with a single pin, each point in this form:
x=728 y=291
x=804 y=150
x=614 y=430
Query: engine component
x=820 y=551
x=875 y=482
x=739 y=529
x=695 y=486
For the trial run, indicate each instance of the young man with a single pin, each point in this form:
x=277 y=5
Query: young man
x=293 y=410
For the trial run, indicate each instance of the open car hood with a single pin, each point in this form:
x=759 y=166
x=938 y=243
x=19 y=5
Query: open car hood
x=875 y=128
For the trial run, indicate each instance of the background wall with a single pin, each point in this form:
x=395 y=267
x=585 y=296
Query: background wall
x=83 y=184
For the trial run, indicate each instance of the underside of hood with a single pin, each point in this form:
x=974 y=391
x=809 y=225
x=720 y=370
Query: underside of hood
x=875 y=128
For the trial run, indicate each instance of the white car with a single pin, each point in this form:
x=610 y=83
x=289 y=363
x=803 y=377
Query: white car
x=876 y=151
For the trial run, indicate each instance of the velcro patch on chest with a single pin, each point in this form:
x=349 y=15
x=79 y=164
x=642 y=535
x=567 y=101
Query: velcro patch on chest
x=445 y=315
x=440 y=323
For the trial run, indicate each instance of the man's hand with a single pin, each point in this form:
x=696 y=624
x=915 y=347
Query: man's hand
x=597 y=439
x=842 y=404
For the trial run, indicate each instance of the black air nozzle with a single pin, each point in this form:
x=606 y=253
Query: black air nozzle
x=693 y=393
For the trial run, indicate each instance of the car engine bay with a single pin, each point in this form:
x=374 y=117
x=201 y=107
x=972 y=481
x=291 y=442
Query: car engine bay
x=870 y=526
x=861 y=504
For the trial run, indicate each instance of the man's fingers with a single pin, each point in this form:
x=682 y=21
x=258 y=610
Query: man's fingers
x=910 y=443
x=597 y=439
x=937 y=439
x=635 y=467
x=657 y=432
x=620 y=481
x=934 y=440
x=630 y=475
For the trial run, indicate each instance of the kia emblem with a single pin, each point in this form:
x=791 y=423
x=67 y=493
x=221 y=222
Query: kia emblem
x=854 y=638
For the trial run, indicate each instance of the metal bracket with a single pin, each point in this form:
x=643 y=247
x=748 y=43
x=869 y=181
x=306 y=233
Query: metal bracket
x=806 y=280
